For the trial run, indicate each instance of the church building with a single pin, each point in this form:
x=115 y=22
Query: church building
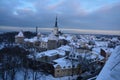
x=53 y=40
x=54 y=37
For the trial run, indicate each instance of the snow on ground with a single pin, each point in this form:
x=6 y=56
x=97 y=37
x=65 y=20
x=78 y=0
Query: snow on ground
x=41 y=76
x=111 y=70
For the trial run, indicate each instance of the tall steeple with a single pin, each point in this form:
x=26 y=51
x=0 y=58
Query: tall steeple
x=56 y=22
x=56 y=30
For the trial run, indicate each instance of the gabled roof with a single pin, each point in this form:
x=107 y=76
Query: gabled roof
x=20 y=34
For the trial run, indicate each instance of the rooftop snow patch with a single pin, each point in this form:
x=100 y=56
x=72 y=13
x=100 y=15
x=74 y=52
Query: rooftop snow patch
x=50 y=53
x=65 y=63
x=34 y=39
x=20 y=34
x=65 y=48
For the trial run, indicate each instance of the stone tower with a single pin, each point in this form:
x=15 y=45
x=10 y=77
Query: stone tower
x=19 y=38
x=52 y=41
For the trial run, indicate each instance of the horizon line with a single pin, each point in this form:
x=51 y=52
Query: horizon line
x=64 y=30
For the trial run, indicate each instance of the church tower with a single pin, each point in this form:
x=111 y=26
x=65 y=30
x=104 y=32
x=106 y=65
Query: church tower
x=52 y=41
x=56 y=30
x=19 y=38
x=38 y=35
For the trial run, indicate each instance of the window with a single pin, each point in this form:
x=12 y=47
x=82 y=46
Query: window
x=57 y=70
x=77 y=56
x=68 y=66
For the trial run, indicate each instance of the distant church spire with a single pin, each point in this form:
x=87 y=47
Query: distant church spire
x=56 y=22
x=56 y=31
x=36 y=29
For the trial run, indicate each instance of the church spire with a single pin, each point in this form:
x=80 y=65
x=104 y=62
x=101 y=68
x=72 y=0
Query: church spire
x=56 y=22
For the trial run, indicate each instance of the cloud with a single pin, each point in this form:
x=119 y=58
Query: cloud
x=71 y=14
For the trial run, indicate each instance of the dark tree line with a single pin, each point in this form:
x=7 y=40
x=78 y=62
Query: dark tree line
x=12 y=58
x=9 y=37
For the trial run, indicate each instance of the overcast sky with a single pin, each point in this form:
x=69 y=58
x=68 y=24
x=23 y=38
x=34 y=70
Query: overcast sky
x=77 y=14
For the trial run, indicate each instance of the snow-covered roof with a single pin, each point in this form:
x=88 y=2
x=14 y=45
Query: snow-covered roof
x=65 y=63
x=106 y=49
x=52 y=37
x=61 y=37
x=101 y=43
x=111 y=70
x=65 y=48
x=34 y=39
x=20 y=34
x=50 y=53
x=88 y=56
x=93 y=56
x=45 y=39
x=98 y=54
x=97 y=50
x=38 y=33
x=114 y=39
x=69 y=38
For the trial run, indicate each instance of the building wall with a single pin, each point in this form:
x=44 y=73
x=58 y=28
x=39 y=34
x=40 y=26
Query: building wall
x=82 y=50
x=62 y=42
x=44 y=45
x=52 y=44
x=19 y=40
x=56 y=31
x=60 y=72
